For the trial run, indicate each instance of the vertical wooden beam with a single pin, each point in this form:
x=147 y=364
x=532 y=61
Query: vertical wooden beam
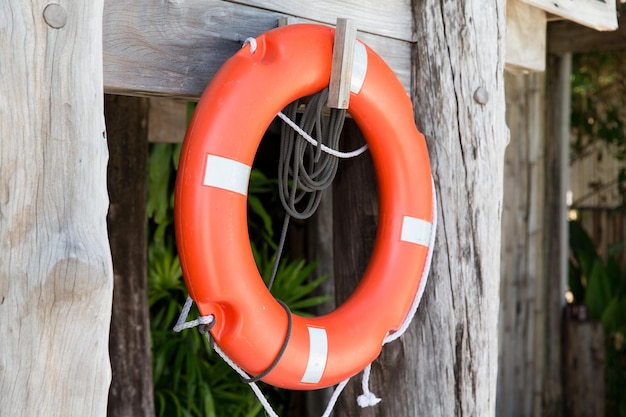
x=458 y=93
x=341 y=69
x=55 y=274
x=520 y=365
x=556 y=243
x=131 y=391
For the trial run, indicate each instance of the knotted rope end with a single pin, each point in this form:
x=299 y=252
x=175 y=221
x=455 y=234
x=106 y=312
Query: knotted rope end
x=367 y=399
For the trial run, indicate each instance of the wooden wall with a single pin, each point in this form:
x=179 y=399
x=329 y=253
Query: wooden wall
x=521 y=312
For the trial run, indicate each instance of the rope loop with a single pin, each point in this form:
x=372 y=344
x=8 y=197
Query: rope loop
x=306 y=166
x=251 y=42
x=204 y=321
x=367 y=399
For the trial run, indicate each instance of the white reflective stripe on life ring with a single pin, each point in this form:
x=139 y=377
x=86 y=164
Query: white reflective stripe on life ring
x=227 y=174
x=416 y=231
x=318 y=353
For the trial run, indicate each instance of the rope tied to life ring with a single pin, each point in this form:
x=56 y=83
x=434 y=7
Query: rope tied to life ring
x=217 y=155
x=306 y=167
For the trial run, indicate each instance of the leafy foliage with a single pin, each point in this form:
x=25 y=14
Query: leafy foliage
x=190 y=379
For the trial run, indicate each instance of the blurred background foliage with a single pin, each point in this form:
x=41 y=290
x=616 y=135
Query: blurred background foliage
x=598 y=280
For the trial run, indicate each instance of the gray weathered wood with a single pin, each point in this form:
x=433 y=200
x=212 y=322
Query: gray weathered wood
x=174 y=48
x=520 y=368
x=453 y=347
x=567 y=36
x=131 y=392
x=390 y=19
x=597 y=14
x=341 y=68
x=555 y=220
x=55 y=274
x=583 y=367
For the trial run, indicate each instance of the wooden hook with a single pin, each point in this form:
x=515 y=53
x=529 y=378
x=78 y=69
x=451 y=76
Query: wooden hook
x=341 y=67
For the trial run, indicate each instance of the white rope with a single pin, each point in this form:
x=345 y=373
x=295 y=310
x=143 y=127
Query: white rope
x=181 y=324
x=203 y=320
x=420 y=291
x=252 y=43
x=308 y=138
x=368 y=399
x=335 y=397
x=255 y=388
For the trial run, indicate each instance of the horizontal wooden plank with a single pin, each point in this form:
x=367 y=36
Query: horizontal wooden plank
x=596 y=14
x=566 y=37
x=392 y=19
x=173 y=49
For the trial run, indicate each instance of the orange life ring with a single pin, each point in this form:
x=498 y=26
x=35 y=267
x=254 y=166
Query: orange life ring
x=210 y=211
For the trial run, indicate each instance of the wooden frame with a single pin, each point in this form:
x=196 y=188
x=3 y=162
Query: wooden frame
x=596 y=14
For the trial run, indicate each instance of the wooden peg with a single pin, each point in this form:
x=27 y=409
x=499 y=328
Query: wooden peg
x=287 y=20
x=341 y=67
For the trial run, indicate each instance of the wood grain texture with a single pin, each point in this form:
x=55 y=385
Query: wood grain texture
x=555 y=219
x=453 y=346
x=522 y=315
x=390 y=18
x=131 y=392
x=55 y=274
x=173 y=48
x=596 y=14
x=341 y=68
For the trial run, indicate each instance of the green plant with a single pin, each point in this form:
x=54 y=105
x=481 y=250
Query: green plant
x=190 y=379
x=600 y=285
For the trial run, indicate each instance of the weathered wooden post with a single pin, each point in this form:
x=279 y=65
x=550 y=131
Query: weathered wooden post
x=55 y=263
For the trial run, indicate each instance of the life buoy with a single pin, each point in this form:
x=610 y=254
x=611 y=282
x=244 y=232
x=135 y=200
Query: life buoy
x=210 y=210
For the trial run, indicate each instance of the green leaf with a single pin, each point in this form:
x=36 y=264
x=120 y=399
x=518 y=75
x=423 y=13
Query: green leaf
x=597 y=295
x=159 y=179
x=259 y=210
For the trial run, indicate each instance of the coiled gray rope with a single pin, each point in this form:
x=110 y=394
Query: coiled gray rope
x=306 y=170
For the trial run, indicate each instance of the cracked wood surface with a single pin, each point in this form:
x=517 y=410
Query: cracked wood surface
x=55 y=268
